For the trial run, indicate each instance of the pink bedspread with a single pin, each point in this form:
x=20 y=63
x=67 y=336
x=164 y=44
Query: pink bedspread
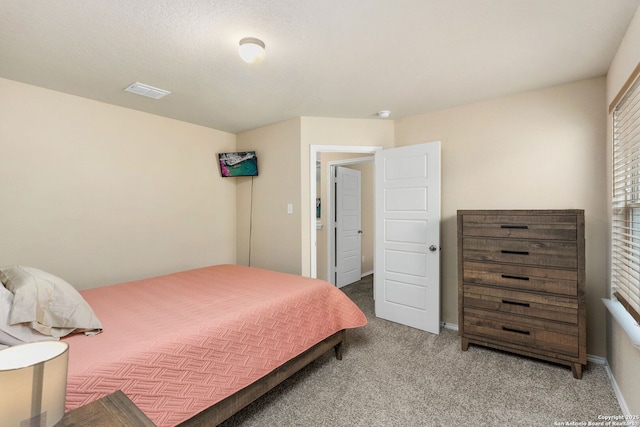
x=179 y=343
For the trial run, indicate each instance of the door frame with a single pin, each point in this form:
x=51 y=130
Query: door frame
x=331 y=207
x=313 y=155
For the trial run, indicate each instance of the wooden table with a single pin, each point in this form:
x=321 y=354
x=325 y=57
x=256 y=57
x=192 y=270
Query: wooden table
x=114 y=410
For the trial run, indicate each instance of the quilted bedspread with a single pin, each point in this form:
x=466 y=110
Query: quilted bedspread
x=179 y=343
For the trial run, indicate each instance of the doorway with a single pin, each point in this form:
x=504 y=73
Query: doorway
x=407 y=232
x=315 y=227
x=348 y=243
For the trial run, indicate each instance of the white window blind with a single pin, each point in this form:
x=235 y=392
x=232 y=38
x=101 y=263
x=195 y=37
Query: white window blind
x=626 y=201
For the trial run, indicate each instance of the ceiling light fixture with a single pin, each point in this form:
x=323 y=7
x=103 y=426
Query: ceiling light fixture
x=384 y=114
x=251 y=50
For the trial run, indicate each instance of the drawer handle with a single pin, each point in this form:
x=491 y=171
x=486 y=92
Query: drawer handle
x=519 y=227
x=508 y=276
x=515 y=252
x=522 y=304
x=517 y=331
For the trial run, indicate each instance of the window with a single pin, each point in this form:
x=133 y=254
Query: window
x=625 y=263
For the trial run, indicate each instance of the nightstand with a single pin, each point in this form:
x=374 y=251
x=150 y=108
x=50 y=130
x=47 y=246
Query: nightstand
x=114 y=410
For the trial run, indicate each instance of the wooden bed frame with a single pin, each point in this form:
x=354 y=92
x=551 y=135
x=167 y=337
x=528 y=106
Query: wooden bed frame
x=229 y=406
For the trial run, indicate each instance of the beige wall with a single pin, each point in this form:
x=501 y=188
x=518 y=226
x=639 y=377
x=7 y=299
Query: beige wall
x=275 y=235
x=100 y=194
x=538 y=150
x=623 y=358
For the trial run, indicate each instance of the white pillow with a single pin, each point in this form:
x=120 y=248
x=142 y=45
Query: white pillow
x=47 y=303
x=14 y=334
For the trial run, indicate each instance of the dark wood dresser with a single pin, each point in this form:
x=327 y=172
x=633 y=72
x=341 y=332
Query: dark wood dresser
x=521 y=283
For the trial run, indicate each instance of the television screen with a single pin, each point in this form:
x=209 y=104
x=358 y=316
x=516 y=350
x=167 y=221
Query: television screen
x=242 y=163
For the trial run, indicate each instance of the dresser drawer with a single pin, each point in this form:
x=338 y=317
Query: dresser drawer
x=542 y=306
x=536 y=334
x=513 y=251
x=555 y=281
x=545 y=227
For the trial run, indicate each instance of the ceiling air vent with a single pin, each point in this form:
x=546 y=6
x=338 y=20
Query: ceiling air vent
x=146 y=90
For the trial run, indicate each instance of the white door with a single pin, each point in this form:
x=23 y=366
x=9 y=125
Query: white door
x=348 y=226
x=407 y=241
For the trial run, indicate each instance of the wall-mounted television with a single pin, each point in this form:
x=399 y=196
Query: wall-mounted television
x=239 y=163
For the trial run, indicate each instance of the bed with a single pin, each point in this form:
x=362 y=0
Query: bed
x=195 y=347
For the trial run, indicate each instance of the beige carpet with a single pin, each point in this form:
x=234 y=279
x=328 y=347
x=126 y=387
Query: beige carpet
x=393 y=375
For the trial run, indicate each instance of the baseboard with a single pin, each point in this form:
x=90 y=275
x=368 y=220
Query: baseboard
x=362 y=275
x=597 y=360
x=614 y=385
x=451 y=326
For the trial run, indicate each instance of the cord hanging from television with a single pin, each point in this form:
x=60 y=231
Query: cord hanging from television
x=250 y=222
x=237 y=164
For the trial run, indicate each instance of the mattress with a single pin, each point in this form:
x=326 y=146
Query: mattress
x=179 y=343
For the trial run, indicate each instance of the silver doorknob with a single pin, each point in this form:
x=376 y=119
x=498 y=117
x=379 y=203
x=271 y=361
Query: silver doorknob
x=433 y=248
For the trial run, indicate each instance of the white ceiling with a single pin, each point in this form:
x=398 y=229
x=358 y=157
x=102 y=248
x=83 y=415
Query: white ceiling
x=330 y=58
